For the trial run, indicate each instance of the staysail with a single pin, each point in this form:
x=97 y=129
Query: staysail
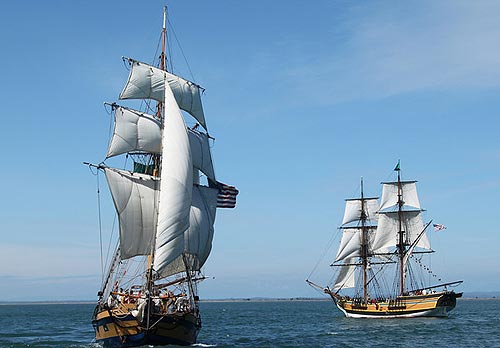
x=175 y=191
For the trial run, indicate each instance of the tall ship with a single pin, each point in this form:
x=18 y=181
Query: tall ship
x=380 y=266
x=166 y=198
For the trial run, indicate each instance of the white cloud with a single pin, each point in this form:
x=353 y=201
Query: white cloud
x=379 y=52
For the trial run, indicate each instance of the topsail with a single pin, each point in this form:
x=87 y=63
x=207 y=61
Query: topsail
x=134 y=132
x=147 y=82
x=140 y=132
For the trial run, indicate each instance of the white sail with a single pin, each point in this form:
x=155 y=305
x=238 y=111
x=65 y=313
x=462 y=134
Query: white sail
x=198 y=238
x=390 y=194
x=409 y=252
x=353 y=210
x=200 y=151
x=345 y=279
x=350 y=244
x=147 y=82
x=134 y=131
x=175 y=191
x=386 y=236
x=135 y=197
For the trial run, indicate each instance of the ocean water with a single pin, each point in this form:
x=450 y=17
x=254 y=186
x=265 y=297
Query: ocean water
x=474 y=323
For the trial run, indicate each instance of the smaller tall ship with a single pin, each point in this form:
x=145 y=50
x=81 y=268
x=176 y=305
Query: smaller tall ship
x=166 y=196
x=380 y=270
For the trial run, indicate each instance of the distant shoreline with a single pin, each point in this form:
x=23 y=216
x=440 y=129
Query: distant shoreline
x=291 y=299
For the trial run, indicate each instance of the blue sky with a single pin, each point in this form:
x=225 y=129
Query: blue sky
x=303 y=100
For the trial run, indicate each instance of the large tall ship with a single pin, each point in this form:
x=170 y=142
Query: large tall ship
x=166 y=198
x=380 y=269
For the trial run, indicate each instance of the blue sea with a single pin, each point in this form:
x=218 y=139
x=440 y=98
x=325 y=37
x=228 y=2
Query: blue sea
x=474 y=323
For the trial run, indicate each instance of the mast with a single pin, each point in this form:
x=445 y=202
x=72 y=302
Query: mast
x=163 y=66
x=354 y=244
x=157 y=168
x=364 y=245
x=159 y=109
x=400 y=245
x=163 y=56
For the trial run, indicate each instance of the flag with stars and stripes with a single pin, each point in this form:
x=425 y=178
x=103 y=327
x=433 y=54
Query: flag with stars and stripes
x=439 y=227
x=227 y=195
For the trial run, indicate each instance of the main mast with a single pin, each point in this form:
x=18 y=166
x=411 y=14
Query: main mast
x=364 y=245
x=157 y=158
x=400 y=246
x=163 y=66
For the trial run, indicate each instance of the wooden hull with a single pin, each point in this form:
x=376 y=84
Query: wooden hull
x=429 y=305
x=117 y=329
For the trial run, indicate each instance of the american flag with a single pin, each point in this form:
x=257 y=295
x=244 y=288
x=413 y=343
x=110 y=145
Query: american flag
x=439 y=227
x=227 y=196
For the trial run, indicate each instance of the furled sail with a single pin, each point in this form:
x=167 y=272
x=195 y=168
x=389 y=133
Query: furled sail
x=147 y=82
x=345 y=278
x=134 y=131
x=390 y=194
x=388 y=228
x=353 y=210
x=175 y=190
x=135 y=197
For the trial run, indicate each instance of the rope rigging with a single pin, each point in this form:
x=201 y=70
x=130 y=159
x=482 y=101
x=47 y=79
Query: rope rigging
x=100 y=222
x=180 y=49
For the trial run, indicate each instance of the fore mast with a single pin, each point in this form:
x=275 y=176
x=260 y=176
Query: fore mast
x=364 y=245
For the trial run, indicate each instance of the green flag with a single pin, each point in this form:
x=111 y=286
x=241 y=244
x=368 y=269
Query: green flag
x=397 y=168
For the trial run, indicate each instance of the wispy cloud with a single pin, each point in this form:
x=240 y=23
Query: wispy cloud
x=383 y=49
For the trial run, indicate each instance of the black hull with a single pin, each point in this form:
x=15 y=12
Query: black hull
x=120 y=331
x=181 y=330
